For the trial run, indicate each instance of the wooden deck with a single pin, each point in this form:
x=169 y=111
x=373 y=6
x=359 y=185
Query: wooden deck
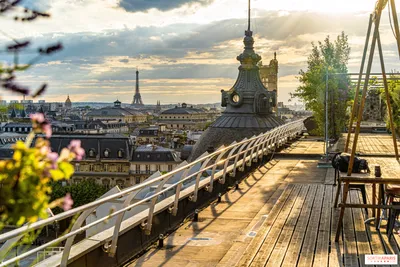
x=373 y=144
x=301 y=232
x=282 y=215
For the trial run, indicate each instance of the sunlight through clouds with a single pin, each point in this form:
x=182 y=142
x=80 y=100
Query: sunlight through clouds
x=185 y=50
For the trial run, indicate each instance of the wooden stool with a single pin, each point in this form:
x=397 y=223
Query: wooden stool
x=392 y=191
x=360 y=187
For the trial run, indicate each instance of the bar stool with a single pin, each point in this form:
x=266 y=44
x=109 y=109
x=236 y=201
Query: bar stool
x=392 y=191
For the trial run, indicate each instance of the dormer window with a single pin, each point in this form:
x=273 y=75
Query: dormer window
x=107 y=153
x=120 y=153
x=91 y=153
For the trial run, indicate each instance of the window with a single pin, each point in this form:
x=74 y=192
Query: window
x=106 y=183
x=137 y=180
x=120 y=153
x=147 y=168
x=107 y=153
x=137 y=168
x=91 y=168
x=106 y=167
x=119 y=168
x=91 y=153
x=121 y=183
x=169 y=168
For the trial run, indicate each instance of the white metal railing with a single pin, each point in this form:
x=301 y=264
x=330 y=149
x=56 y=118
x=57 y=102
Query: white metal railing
x=225 y=160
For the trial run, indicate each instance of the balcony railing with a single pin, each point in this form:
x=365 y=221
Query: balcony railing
x=199 y=174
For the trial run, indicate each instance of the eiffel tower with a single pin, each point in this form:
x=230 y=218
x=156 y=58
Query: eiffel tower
x=137 y=98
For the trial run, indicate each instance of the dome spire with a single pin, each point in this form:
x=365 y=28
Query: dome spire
x=248 y=29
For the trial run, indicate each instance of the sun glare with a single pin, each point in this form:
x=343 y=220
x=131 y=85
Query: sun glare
x=337 y=6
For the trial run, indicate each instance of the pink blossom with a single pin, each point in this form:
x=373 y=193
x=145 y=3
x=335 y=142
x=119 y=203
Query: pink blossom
x=37 y=118
x=75 y=147
x=46 y=128
x=53 y=157
x=68 y=202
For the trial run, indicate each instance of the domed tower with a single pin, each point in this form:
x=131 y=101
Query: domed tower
x=68 y=103
x=249 y=105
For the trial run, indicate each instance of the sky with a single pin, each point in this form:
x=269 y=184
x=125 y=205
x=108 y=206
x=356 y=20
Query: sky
x=185 y=50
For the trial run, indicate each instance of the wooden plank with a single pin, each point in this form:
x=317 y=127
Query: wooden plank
x=350 y=245
x=270 y=241
x=309 y=242
x=258 y=240
x=377 y=246
x=330 y=176
x=281 y=246
x=293 y=251
x=363 y=245
x=336 y=248
x=233 y=256
x=322 y=250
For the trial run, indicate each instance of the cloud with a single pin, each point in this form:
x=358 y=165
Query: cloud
x=163 y=5
x=174 y=58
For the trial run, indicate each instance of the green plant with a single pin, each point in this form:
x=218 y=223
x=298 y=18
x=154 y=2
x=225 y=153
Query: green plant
x=327 y=59
x=25 y=178
x=82 y=193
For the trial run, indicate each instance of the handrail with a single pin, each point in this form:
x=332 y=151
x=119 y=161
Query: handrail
x=249 y=150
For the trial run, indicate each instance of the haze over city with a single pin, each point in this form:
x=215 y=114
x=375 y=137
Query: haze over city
x=185 y=50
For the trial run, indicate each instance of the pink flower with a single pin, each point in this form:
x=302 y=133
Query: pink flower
x=53 y=157
x=68 y=202
x=46 y=128
x=75 y=147
x=37 y=118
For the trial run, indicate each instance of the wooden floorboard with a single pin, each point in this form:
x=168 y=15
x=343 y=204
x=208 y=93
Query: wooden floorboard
x=363 y=245
x=272 y=237
x=257 y=242
x=293 y=251
x=307 y=251
x=336 y=249
x=322 y=250
x=350 y=245
x=281 y=246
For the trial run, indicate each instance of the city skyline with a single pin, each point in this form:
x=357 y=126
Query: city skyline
x=181 y=55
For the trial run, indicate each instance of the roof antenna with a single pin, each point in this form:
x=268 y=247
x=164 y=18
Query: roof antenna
x=249 y=18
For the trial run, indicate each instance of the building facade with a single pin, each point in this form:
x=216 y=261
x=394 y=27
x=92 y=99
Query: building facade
x=117 y=114
x=184 y=117
x=148 y=159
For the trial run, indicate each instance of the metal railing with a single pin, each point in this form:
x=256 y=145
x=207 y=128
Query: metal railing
x=201 y=173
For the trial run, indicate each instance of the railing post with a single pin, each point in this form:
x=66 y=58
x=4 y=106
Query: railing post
x=68 y=244
x=197 y=184
x=118 y=222
x=256 y=144
x=153 y=201
x=228 y=159
x=244 y=161
x=237 y=157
